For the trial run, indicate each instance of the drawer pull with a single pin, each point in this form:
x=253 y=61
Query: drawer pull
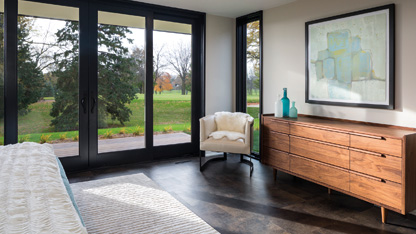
x=382 y=181
x=383 y=155
x=370 y=136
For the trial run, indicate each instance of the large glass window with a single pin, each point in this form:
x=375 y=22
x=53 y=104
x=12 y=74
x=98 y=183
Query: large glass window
x=121 y=82
x=48 y=51
x=172 y=82
x=249 y=70
x=253 y=77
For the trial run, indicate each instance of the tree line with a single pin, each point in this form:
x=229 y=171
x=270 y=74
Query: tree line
x=121 y=74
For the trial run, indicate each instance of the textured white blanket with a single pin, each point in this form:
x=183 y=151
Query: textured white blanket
x=33 y=198
x=233 y=122
x=232 y=136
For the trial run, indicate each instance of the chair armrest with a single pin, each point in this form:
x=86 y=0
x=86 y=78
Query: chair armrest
x=207 y=125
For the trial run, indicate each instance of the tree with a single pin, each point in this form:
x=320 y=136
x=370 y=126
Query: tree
x=253 y=56
x=163 y=83
x=180 y=60
x=139 y=68
x=253 y=41
x=65 y=108
x=114 y=76
x=158 y=63
x=29 y=76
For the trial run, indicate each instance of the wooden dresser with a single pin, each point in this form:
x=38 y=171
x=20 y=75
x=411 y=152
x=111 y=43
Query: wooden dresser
x=373 y=162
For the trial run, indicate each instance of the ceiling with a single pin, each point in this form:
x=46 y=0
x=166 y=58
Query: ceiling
x=226 y=8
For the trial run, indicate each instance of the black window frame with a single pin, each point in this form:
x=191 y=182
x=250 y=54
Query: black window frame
x=88 y=10
x=241 y=65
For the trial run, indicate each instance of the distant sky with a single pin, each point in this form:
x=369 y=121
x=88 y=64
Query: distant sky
x=49 y=27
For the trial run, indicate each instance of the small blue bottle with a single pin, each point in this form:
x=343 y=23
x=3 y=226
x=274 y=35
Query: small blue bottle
x=285 y=103
x=293 y=113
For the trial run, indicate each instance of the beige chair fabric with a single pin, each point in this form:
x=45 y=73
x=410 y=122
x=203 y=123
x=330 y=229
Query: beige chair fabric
x=208 y=125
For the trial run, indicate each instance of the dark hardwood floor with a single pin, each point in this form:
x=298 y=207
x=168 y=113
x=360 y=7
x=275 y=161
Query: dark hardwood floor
x=230 y=201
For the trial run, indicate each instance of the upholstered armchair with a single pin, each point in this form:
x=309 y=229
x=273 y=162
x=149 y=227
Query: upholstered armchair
x=228 y=133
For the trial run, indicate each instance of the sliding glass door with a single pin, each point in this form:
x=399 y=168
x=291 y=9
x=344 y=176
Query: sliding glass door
x=141 y=86
x=172 y=74
x=121 y=82
x=104 y=83
x=48 y=77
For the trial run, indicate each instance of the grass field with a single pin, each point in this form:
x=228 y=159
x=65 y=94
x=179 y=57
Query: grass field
x=171 y=110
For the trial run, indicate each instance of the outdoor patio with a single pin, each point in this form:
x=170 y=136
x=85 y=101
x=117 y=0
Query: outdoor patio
x=120 y=144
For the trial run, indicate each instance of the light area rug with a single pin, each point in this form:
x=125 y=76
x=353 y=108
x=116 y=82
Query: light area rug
x=133 y=204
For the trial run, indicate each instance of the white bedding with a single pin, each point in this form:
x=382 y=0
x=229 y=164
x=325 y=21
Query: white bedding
x=33 y=198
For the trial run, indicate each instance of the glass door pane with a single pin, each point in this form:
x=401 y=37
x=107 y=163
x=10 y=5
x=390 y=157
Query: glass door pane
x=253 y=77
x=121 y=82
x=48 y=83
x=172 y=82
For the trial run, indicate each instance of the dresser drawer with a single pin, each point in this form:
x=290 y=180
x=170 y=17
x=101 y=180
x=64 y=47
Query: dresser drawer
x=335 y=137
x=379 y=165
x=276 y=125
x=276 y=140
x=387 y=193
x=377 y=144
x=323 y=152
x=320 y=172
x=275 y=158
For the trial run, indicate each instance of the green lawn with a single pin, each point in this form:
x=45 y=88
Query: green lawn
x=171 y=110
x=253 y=98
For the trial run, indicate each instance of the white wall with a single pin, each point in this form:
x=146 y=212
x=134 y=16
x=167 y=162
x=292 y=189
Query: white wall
x=284 y=58
x=220 y=60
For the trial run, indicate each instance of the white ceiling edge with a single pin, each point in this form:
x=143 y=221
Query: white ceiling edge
x=225 y=8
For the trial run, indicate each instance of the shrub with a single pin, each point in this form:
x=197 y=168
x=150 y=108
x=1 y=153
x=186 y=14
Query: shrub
x=123 y=131
x=75 y=138
x=62 y=136
x=167 y=129
x=137 y=131
x=108 y=134
x=44 y=138
x=187 y=130
x=23 y=138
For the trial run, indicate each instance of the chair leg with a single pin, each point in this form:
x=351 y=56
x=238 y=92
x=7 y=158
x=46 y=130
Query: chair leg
x=245 y=161
x=200 y=160
x=203 y=165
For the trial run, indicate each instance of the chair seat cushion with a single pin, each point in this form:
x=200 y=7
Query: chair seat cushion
x=229 y=135
x=223 y=145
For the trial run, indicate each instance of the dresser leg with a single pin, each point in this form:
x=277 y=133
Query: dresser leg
x=274 y=174
x=383 y=215
x=329 y=191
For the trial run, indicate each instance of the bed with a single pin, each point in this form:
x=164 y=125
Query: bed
x=35 y=196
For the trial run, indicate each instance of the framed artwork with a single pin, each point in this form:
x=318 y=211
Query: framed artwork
x=350 y=59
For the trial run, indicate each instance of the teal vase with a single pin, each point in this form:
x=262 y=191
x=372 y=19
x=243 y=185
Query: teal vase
x=285 y=103
x=293 y=113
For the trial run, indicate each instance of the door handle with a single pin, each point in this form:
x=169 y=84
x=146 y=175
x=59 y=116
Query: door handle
x=93 y=105
x=84 y=107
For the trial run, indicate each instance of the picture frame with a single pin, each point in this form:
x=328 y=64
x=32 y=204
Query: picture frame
x=350 y=59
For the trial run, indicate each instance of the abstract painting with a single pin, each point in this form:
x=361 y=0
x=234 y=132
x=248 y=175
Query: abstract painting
x=350 y=59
